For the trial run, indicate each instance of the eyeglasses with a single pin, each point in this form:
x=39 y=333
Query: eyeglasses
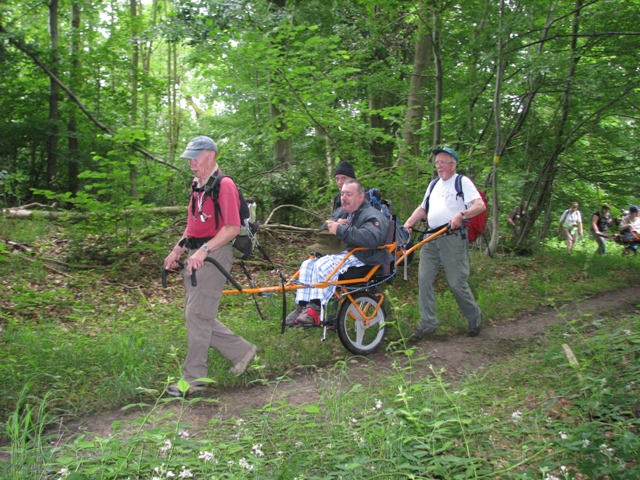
x=440 y=162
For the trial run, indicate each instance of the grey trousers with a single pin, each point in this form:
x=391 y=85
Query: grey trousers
x=602 y=243
x=204 y=331
x=452 y=252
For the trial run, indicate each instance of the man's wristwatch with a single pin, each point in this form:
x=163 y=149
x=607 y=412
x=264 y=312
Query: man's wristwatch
x=463 y=216
x=205 y=247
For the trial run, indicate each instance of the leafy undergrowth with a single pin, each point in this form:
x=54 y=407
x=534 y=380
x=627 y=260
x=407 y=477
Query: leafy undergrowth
x=542 y=414
x=99 y=334
x=76 y=340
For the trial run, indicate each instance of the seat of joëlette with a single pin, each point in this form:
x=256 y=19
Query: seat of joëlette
x=384 y=270
x=361 y=272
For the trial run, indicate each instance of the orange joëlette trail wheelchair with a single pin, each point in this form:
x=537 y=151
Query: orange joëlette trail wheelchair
x=357 y=310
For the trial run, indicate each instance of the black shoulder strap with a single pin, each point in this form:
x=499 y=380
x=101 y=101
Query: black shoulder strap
x=429 y=190
x=212 y=188
x=459 y=191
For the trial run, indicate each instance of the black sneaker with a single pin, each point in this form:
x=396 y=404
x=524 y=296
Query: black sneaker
x=174 y=391
x=474 y=329
x=422 y=332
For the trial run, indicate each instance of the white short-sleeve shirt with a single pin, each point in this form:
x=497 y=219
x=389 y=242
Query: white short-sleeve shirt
x=444 y=202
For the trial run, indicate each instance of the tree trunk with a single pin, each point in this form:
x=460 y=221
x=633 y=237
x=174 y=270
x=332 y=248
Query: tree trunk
x=495 y=227
x=381 y=150
x=74 y=153
x=416 y=101
x=52 y=138
x=544 y=183
x=282 y=147
x=437 y=104
x=133 y=110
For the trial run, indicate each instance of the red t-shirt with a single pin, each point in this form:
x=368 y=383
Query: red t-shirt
x=229 y=202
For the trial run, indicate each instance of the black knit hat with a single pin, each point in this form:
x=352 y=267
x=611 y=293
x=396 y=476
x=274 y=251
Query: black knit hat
x=345 y=168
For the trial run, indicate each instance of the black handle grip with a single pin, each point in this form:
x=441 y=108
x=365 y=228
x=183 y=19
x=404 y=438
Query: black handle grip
x=194 y=282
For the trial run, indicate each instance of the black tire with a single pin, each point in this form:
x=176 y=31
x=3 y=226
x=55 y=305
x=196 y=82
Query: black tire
x=354 y=333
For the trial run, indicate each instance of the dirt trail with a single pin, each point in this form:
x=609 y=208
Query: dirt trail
x=457 y=355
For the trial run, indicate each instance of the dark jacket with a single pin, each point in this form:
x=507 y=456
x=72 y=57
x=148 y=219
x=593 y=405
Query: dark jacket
x=367 y=228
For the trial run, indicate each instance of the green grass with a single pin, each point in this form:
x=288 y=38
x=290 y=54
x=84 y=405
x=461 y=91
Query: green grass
x=534 y=415
x=100 y=339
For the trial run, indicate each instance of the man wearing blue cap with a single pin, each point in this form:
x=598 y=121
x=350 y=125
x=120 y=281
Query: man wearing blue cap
x=442 y=205
x=209 y=231
x=630 y=230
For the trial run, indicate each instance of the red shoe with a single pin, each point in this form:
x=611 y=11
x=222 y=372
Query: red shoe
x=311 y=316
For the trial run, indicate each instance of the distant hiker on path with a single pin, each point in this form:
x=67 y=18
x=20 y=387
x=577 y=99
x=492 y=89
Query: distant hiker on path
x=600 y=222
x=570 y=226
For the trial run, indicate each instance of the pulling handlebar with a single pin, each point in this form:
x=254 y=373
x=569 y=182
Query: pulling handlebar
x=194 y=281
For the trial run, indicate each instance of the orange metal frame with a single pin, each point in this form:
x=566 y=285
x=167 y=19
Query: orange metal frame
x=290 y=286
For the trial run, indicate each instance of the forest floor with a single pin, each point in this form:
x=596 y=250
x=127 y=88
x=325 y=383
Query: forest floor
x=452 y=355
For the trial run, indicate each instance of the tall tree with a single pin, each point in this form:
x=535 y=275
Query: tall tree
x=73 y=160
x=54 y=93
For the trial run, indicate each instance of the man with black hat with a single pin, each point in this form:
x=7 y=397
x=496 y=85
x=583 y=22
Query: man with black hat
x=442 y=205
x=208 y=234
x=344 y=171
x=365 y=226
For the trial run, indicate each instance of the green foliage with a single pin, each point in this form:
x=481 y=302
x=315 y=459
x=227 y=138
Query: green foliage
x=532 y=416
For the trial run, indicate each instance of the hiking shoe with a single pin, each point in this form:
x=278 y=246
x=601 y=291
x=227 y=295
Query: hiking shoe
x=290 y=321
x=474 y=329
x=311 y=315
x=422 y=332
x=240 y=367
x=174 y=391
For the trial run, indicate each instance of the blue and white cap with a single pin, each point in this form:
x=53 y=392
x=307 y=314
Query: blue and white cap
x=197 y=145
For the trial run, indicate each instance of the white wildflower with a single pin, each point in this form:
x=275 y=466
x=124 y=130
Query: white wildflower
x=244 y=464
x=256 y=450
x=585 y=443
x=64 y=472
x=627 y=332
x=185 y=473
x=353 y=420
x=604 y=448
x=379 y=404
x=184 y=434
x=563 y=468
x=167 y=446
x=516 y=416
x=563 y=435
x=206 y=456
x=298 y=444
x=170 y=474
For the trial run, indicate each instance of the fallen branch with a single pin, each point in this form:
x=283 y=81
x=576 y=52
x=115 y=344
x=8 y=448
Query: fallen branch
x=22 y=213
x=321 y=218
x=33 y=260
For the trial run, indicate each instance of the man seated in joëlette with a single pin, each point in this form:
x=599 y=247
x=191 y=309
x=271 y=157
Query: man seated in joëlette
x=365 y=226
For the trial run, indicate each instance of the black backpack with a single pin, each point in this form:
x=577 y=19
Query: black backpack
x=245 y=240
